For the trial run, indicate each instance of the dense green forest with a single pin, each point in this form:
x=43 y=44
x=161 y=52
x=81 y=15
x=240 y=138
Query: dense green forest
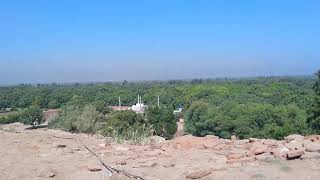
x=266 y=107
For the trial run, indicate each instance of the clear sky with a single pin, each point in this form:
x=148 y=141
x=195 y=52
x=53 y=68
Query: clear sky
x=79 y=41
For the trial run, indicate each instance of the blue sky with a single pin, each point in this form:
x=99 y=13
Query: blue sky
x=79 y=41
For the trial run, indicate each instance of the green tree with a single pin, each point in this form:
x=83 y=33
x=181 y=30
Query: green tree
x=194 y=116
x=162 y=120
x=314 y=119
x=102 y=107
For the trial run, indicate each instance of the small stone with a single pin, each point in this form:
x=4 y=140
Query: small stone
x=94 y=168
x=170 y=164
x=149 y=164
x=61 y=146
x=121 y=162
x=47 y=173
x=251 y=140
x=198 y=174
x=102 y=145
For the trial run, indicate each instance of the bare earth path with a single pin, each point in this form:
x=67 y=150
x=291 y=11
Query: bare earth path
x=51 y=154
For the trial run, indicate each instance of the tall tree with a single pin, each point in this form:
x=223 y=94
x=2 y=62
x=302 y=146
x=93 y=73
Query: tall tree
x=163 y=121
x=314 y=119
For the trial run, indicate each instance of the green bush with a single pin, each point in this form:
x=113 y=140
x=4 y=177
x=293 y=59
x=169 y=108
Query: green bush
x=126 y=125
x=32 y=115
x=11 y=118
x=76 y=119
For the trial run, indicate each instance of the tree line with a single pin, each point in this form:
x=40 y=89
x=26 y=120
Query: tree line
x=264 y=107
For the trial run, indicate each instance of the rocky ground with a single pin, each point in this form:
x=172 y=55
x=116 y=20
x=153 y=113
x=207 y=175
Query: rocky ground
x=51 y=154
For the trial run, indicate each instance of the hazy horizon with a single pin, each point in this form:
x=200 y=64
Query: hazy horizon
x=98 y=41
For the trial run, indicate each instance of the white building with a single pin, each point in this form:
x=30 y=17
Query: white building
x=139 y=107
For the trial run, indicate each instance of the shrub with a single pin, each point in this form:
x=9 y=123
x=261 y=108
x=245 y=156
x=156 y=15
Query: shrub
x=11 y=118
x=126 y=125
x=32 y=116
x=76 y=119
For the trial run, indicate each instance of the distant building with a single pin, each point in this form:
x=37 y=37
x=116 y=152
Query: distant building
x=138 y=108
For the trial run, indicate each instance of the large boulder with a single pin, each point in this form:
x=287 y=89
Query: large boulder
x=294 y=137
x=241 y=142
x=294 y=154
x=313 y=138
x=280 y=152
x=270 y=143
x=258 y=148
x=234 y=138
x=157 y=139
x=311 y=146
x=212 y=137
x=295 y=145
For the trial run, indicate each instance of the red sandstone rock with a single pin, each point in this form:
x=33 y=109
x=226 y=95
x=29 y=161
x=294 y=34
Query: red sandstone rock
x=313 y=138
x=312 y=146
x=295 y=145
x=258 y=148
x=198 y=174
x=295 y=154
x=235 y=156
x=294 y=137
